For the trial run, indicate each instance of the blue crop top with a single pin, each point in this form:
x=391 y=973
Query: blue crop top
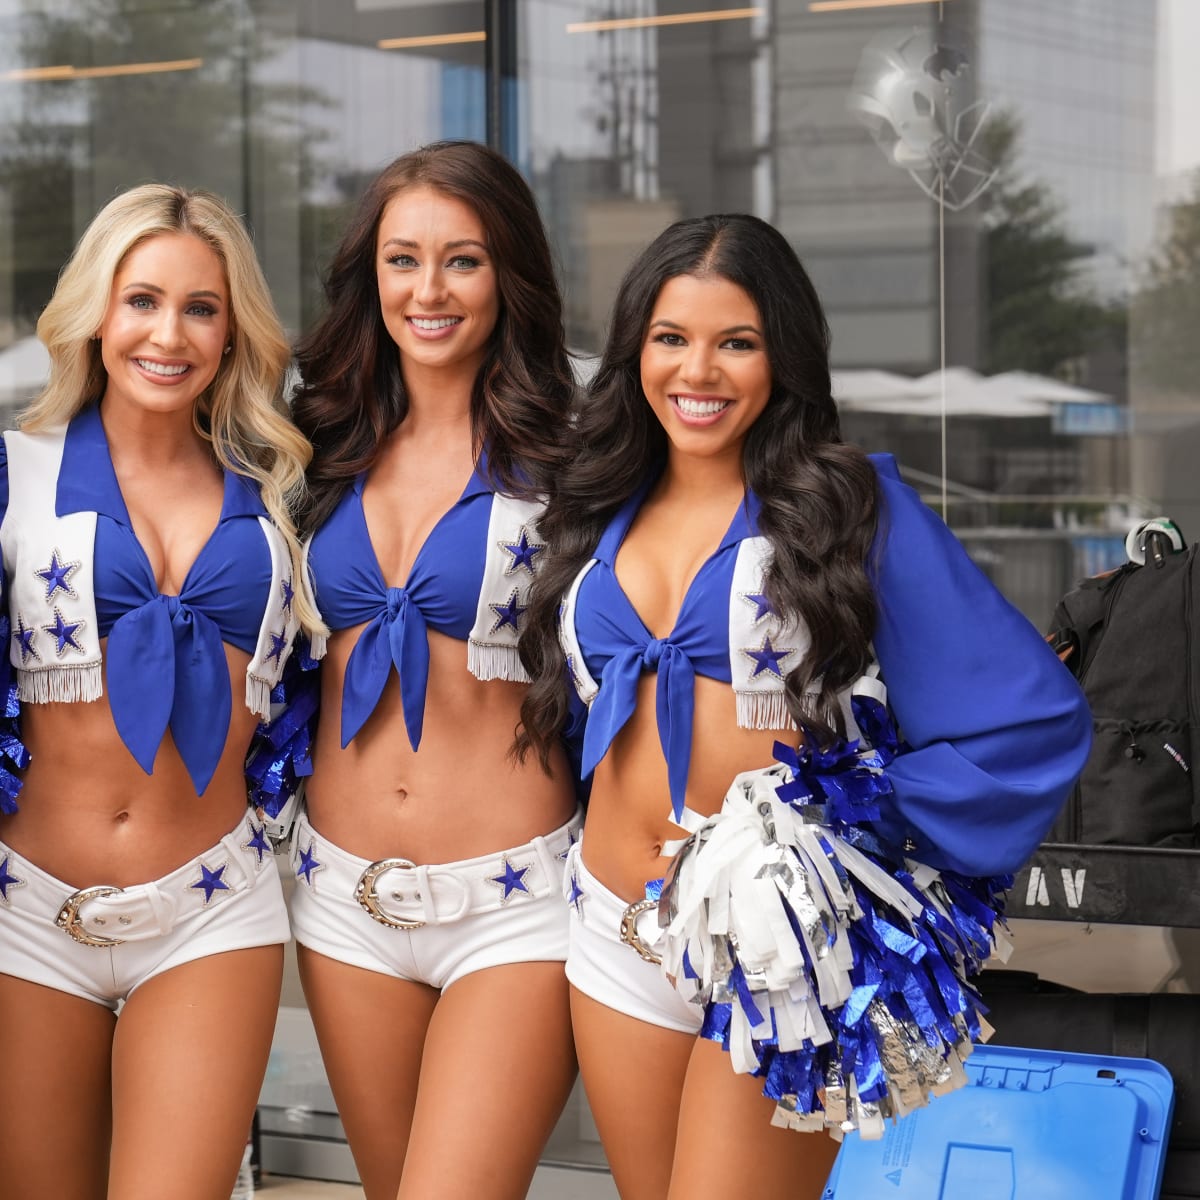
x=998 y=728
x=469 y=581
x=165 y=664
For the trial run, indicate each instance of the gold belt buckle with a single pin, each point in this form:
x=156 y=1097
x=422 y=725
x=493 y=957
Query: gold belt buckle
x=629 y=930
x=68 y=916
x=366 y=892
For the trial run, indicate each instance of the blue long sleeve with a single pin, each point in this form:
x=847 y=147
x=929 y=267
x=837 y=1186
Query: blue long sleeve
x=998 y=727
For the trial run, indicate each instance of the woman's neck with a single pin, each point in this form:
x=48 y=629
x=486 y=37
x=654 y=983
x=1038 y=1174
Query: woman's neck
x=136 y=435
x=703 y=480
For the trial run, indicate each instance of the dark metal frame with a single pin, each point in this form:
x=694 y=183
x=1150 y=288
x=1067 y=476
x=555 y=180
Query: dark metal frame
x=500 y=63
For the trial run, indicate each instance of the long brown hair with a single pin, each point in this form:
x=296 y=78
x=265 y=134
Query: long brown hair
x=352 y=393
x=818 y=495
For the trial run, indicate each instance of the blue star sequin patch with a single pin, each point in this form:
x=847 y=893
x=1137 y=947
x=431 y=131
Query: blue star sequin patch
x=289 y=593
x=509 y=614
x=309 y=865
x=279 y=643
x=8 y=879
x=570 y=842
x=762 y=606
x=767 y=658
x=23 y=636
x=211 y=881
x=523 y=553
x=64 y=633
x=57 y=576
x=511 y=880
x=258 y=843
x=575 y=899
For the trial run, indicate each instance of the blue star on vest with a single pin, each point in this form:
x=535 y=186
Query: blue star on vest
x=575 y=899
x=762 y=606
x=258 y=843
x=57 y=576
x=508 y=614
x=279 y=643
x=523 y=552
x=767 y=658
x=512 y=880
x=309 y=865
x=211 y=881
x=8 y=879
x=23 y=636
x=64 y=632
x=570 y=842
x=289 y=593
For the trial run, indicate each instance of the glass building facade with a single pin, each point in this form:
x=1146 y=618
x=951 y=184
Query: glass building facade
x=999 y=201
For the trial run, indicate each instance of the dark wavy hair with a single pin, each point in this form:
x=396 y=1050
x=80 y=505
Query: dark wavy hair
x=819 y=496
x=352 y=393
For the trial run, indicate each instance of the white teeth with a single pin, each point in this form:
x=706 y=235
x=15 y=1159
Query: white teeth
x=699 y=408
x=435 y=322
x=161 y=368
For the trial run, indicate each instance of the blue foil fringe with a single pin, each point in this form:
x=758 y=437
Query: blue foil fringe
x=918 y=973
x=280 y=755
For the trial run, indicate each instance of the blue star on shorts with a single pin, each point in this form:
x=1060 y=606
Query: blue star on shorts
x=512 y=880
x=308 y=865
x=8 y=879
x=211 y=881
x=258 y=843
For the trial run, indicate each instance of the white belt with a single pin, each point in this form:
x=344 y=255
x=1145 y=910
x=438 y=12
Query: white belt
x=404 y=895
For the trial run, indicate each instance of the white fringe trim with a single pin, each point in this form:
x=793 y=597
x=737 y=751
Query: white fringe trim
x=763 y=710
x=258 y=696
x=495 y=662
x=60 y=685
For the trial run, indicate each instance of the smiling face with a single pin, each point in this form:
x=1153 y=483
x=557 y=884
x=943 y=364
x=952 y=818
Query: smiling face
x=166 y=326
x=704 y=365
x=438 y=290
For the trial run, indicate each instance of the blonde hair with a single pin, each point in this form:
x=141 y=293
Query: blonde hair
x=242 y=413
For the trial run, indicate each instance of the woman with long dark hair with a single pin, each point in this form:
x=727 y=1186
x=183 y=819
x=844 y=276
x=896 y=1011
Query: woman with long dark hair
x=428 y=908
x=723 y=570
x=150 y=564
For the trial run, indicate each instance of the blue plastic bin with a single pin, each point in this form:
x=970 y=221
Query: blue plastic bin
x=1030 y=1125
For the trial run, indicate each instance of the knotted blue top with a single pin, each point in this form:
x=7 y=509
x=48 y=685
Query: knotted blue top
x=441 y=593
x=165 y=662
x=618 y=647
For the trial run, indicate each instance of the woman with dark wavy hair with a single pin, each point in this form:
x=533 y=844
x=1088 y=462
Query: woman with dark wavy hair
x=428 y=906
x=723 y=571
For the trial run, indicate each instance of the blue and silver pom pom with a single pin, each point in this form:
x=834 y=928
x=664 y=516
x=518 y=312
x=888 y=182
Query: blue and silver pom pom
x=827 y=963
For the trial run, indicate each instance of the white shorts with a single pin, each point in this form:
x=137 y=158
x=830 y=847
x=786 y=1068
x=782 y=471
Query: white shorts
x=432 y=924
x=606 y=968
x=101 y=943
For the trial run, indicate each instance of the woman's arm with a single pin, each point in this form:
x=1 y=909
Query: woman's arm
x=999 y=729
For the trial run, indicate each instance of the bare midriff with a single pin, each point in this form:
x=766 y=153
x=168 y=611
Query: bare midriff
x=629 y=813
x=89 y=815
x=459 y=795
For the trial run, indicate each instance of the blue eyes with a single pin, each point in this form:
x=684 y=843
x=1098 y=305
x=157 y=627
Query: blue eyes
x=460 y=262
x=147 y=303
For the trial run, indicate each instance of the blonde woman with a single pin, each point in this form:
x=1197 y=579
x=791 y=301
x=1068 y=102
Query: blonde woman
x=150 y=571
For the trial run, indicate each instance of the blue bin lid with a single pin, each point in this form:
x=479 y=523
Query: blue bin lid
x=1030 y=1125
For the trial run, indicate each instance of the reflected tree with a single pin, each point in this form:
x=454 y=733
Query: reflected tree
x=1041 y=316
x=1167 y=303
x=185 y=92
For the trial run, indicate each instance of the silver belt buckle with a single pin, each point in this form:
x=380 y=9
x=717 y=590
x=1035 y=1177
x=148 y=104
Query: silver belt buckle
x=366 y=892
x=629 y=930
x=68 y=916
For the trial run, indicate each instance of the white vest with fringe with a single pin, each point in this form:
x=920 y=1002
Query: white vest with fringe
x=50 y=667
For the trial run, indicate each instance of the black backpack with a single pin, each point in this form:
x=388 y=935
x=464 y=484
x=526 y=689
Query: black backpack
x=1131 y=638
